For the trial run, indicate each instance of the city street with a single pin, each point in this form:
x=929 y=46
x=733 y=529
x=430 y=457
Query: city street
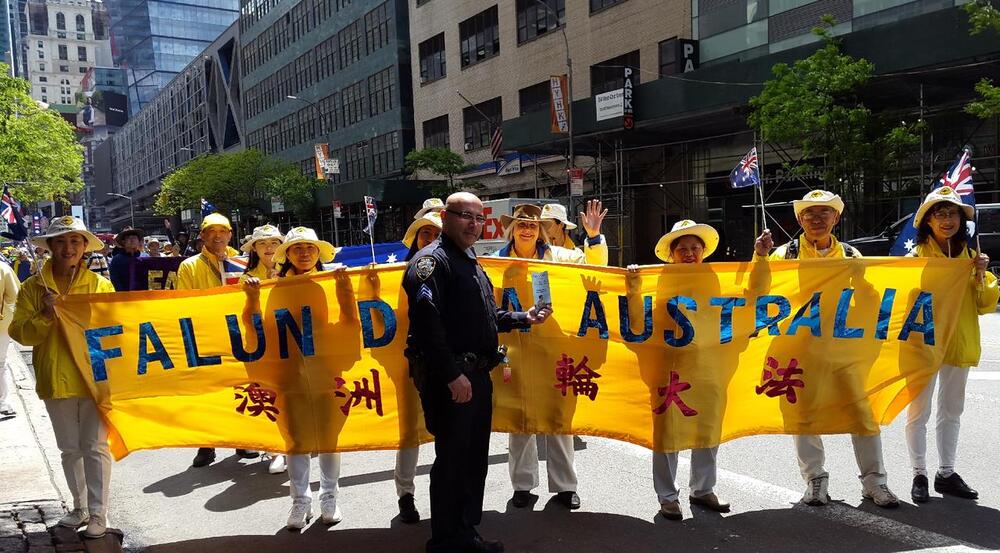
x=163 y=505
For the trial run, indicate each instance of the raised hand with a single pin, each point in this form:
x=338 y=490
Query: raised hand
x=593 y=218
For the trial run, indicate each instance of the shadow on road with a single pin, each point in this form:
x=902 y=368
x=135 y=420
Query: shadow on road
x=556 y=530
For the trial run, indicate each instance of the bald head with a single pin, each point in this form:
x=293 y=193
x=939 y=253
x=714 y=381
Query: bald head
x=460 y=219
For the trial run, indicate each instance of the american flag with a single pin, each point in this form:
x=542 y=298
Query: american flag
x=959 y=175
x=496 y=143
x=746 y=173
x=371 y=212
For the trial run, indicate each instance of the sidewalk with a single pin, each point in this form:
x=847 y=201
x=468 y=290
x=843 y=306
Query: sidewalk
x=34 y=494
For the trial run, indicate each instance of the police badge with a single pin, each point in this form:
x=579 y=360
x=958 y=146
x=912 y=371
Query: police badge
x=425 y=266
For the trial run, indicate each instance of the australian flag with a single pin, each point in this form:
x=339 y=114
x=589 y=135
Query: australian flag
x=207 y=208
x=958 y=177
x=746 y=173
x=10 y=210
x=371 y=212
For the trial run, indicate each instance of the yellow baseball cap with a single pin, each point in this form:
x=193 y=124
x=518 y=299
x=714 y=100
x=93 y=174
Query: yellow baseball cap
x=215 y=219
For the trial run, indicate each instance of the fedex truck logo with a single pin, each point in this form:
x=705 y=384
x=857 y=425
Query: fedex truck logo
x=492 y=229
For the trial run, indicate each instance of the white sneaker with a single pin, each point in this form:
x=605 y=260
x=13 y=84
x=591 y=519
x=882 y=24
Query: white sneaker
x=816 y=495
x=277 y=465
x=880 y=495
x=330 y=511
x=74 y=519
x=300 y=515
x=96 y=528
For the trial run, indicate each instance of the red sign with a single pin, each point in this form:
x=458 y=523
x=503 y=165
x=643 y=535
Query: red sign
x=492 y=230
x=559 y=104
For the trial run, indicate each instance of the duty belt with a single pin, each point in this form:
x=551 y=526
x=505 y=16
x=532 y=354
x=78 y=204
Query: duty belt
x=476 y=361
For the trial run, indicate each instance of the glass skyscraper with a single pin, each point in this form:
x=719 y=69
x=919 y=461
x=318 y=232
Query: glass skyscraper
x=153 y=41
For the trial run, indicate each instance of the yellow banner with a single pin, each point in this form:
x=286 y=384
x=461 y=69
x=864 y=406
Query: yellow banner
x=671 y=357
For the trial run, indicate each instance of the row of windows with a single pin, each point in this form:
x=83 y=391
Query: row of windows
x=81 y=22
x=81 y=53
x=363 y=99
x=371 y=30
x=332 y=55
x=62 y=68
x=251 y=11
x=378 y=157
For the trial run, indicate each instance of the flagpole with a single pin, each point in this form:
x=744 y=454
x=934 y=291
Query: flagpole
x=760 y=187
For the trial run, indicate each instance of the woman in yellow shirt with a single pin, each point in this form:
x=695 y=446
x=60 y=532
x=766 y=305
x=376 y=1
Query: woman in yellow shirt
x=81 y=435
x=941 y=232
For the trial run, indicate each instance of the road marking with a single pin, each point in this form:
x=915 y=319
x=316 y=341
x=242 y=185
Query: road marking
x=841 y=513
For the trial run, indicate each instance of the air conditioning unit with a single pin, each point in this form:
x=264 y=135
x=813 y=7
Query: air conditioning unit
x=468 y=146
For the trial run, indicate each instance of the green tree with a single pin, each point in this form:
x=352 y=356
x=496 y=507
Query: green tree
x=815 y=105
x=241 y=180
x=984 y=17
x=39 y=154
x=443 y=162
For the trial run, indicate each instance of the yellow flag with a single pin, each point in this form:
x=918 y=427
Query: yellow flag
x=670 y=357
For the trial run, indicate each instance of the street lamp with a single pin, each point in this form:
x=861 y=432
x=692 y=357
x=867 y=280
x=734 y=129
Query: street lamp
x=333 y=184
x=131 y=209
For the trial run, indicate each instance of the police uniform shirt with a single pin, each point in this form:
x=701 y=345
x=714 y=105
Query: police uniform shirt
x=452 y=309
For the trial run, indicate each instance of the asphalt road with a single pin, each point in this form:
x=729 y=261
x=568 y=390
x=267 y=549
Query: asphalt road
x=163 y=505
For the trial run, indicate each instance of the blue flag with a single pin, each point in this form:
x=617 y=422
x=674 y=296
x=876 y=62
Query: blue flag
x=746 y=173
x=207 y=208
x=958 y=177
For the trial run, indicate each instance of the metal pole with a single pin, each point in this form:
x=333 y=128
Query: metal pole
x=131 y=211
x=570 y=160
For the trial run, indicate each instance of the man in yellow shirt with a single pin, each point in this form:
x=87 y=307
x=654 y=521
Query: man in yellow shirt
x=818 y=212
x=205 y=271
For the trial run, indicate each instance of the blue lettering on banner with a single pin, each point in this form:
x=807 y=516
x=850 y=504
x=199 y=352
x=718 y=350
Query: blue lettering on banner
x=600 y=322
x=812 y=320
x=884 y=313
x=236 y=338
x=191 y=347
x=923 y=305
x=840 y=328
x=303 y=337
x=726 y=315
x=147 y=335
x=770 y=322
x=686 y=328
x=98 y=355
x=625 y=325
x=368 y=327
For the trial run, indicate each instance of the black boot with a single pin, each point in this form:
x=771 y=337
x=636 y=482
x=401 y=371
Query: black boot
x=919 y=491
x=407 y=510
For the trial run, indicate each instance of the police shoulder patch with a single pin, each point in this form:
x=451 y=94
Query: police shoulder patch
x=425 y=266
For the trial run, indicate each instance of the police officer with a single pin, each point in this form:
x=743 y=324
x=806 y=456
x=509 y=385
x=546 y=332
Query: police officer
x=454 y=322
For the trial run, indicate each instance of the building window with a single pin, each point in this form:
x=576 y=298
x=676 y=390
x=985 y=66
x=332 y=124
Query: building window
x=64 y=69
x=41 y=54
x=41 y=67
x=479 y=128
x=436 y=133
x=479 y=36
x=668 y=57
x=535 y=19
x=381 y=91
x=44 y=91
x=43 y=79
x=326 y=58
x=329 y=110
x=81 y=24
x=432 y=65
x=63 y=52
x=81 y=53
x=83 y=70
x=353 y=97
x=385 y=153
x=597 y=5
x=60 y=21
x=377 y=27
x=45 y=99
x=351 y=47
x=610 y=74
x=534 y=98
x=41 y=44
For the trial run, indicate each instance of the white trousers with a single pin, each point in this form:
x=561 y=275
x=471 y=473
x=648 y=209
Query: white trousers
x=867 y=452
x=522 y=461
x=406 y=470
x=82 y=439
x=703 y=473
x=298 y=475
x=5 y=385
x=951 y=382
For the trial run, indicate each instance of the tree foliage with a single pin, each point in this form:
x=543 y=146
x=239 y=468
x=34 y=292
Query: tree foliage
x=39 y=154
x=815 y=106
x=982 y=16
x=442 y=162
x=241 y=180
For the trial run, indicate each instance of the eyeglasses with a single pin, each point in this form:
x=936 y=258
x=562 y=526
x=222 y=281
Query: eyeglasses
x=945 y=214
x=817 y=215
x=468 y=216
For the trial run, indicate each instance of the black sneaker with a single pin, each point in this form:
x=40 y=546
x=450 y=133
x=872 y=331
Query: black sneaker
x=954 y=485
x=205 y=457
x=919 y=491
x=479 y=545
x=408 y=513
x=521 y=499
x=247 y=454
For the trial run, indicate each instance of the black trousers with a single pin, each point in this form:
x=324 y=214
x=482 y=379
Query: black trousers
x=461 y=446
